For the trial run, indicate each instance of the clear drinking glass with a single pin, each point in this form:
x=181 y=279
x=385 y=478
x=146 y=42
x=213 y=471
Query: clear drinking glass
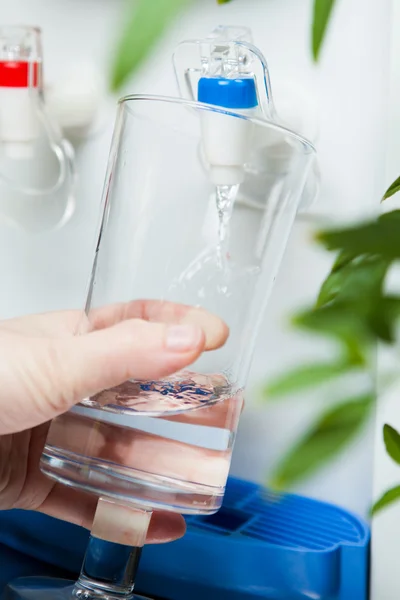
x=174 y=230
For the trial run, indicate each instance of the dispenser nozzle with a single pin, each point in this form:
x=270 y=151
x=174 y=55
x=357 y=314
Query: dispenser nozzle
x=226 y=55
x=20 y=73
x=227 y=72
x=36 y=164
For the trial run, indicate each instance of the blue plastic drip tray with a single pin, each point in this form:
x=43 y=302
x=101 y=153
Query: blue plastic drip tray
x=225 y=521
x=259 y=545
x=263 y=545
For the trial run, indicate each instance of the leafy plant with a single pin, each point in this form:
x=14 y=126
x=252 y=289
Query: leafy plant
x=327 y=436
x=393 y=189
x=391 y=438
x=388 y=498
x=354 y=310
x=322 y=13
x=146 y=20
x=321 y=19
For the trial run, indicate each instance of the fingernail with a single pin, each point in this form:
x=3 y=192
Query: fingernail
x=183 y=337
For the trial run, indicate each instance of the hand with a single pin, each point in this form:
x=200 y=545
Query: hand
x=45 y=369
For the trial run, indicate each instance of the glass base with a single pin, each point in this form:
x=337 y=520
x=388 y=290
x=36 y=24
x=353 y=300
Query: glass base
x=47 y=588
x=127 y=484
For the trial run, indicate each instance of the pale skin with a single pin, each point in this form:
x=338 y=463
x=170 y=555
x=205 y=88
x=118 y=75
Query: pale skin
x=45 y=368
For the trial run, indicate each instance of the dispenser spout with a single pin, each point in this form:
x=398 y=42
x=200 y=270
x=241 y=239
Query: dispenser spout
x=227 y=72
x=37 y=170
x=20 y=82
x=226 y=55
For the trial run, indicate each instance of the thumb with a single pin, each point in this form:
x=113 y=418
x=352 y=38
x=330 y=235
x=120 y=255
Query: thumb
x=45 y=377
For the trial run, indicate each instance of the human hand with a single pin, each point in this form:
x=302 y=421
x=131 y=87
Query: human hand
x=45 y=369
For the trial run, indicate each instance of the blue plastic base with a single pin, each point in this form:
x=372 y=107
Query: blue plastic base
x=14 y=564
x=258 y=546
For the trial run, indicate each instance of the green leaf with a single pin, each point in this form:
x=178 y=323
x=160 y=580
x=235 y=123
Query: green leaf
x=355 y=324
x=343 y=259
x=322 y=14
x=383 y=318
x=360 y=277
x=305 y=377
x=329 y=436
x=342 y=322
x=393 y=216
x=223 y=1
x=376 y=237
x=388 y=498
x=392 y=442
x=392 y=190
x=145 y=23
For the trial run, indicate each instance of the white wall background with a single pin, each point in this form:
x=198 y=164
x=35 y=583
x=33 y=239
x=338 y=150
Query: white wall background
x=350 y=90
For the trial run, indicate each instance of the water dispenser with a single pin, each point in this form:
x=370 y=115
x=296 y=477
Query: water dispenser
x=37 y=171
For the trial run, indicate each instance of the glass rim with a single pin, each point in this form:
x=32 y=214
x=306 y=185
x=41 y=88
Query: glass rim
x=210 y=107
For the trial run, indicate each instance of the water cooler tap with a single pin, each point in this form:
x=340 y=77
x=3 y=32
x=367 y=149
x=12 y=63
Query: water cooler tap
x=36 y=163
x=228 y=72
